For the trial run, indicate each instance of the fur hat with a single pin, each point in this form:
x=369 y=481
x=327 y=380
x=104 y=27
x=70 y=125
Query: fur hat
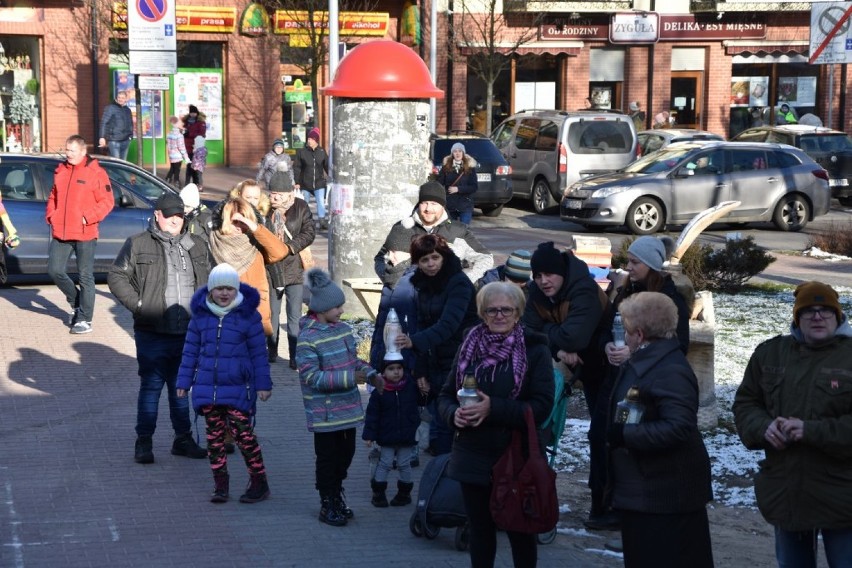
x=816 y=294
x=517 y=267
x=458 y=146
x=169 y=204
x=547 y=258
x=314 y=135
x=651 y=251
x=280 y=183
x=325 y=294
x=634 y=106
x=190 y=196
x=193 y=109
x=223 y=275
x=432 y=191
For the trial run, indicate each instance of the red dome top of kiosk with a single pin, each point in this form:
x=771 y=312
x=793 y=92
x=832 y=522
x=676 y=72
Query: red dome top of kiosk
x=382 y=70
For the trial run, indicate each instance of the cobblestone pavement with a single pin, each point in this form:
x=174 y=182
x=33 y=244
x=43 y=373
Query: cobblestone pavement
x=73 y=496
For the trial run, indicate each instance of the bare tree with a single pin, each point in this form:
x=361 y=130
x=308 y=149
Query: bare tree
x=488 y=33
x=308 y=45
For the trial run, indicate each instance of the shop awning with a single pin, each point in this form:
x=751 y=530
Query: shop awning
x=738 y=47
x=532 y=48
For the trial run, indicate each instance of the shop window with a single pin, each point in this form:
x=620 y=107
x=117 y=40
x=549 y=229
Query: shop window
x=20 y=127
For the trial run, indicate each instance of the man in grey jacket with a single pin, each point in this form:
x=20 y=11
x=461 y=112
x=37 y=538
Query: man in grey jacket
x=154 y=276
x=117 y=127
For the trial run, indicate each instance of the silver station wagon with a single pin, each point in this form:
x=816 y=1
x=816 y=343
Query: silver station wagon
x=773 y=182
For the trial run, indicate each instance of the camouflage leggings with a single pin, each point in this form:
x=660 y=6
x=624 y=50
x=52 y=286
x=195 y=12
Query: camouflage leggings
x=219 y=418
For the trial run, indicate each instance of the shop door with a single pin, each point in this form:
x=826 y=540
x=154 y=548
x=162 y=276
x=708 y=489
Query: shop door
x=686 y=90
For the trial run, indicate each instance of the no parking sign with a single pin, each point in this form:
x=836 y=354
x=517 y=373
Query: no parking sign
x=151 y=25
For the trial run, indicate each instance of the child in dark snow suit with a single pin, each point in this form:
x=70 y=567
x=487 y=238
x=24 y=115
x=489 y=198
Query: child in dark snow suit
x=225 y=364
x=391 y=421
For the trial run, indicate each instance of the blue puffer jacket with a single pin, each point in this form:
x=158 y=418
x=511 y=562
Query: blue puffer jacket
x=225 y=361
x=393 y=415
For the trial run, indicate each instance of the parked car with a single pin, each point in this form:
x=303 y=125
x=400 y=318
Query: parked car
x=773 y=182
x=656 y=139
x=831 y=149
x=492 y=170
x=25 y=183
x=551 y=149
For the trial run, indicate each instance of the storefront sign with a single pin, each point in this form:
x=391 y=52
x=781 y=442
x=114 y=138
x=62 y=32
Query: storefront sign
x=634 y=27
x=290 y=22
x=254 y=21
x=206 y=19
x=688 y=28
x=584 y=28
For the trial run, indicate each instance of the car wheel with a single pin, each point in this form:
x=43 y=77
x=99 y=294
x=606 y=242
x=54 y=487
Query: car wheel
x=845 y=201
x=415 y=525
x=541 y=198
x=645 y=216
x=492 y=210
x=791 y=213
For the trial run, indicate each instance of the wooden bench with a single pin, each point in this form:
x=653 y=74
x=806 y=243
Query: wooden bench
x=369 y=293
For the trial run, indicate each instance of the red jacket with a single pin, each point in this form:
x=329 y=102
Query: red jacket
x=79 y=192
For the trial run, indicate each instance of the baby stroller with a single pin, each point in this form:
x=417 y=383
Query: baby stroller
x=439 y=504
x=553 y=427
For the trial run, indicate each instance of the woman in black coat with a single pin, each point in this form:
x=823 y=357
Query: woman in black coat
x=445 y=309
x=513 y=369
x=290 y=219
x=458 y=176
x=659 y=470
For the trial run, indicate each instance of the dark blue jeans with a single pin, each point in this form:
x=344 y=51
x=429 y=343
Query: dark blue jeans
x=159 y=357
x=118 y=149
x=58 y=255
x=799 y=549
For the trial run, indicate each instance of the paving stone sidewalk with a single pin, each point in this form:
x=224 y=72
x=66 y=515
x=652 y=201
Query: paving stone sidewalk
x=73 y=496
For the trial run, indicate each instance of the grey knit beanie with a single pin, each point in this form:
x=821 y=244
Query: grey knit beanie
x=651 y=251
x=325 y=294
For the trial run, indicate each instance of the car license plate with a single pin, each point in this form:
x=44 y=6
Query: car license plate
x=838 y=182
x=483 y=177
x=573 y=204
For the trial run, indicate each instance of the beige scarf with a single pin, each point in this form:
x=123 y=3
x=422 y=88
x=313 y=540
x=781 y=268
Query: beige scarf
x=235 y=249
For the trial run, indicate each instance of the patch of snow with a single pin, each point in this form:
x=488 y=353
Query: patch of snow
x=817 y=252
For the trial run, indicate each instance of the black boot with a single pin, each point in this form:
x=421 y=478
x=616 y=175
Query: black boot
x=258 y=489
x=144 y=452
x=403 y=494
x=379 y=498
x=341 y=505
x=221 y=485
x=291 y=345
x=185 y=446
x=329 y=514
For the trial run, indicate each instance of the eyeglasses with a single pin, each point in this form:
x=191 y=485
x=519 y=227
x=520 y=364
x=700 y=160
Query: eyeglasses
x=505 y=312
x=810 y=313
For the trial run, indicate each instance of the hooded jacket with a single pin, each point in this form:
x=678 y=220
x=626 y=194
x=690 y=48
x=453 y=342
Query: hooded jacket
x=465 y=180
x=808 y=485
x=476 y=259
x=310 y=168
x=224 y=358
x=327 y=362
x=79 y=192
x=272 y=163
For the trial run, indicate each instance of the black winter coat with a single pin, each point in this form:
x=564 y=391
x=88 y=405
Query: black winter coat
x=393 y=416
x=466 y=181
x=117 y=123
x=310 y=168
x=446 y=307
x=663 y=467
x=476 y=450
x=300 y=223
x=137 y=278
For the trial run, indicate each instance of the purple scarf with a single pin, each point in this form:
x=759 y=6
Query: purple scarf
x=490 y=349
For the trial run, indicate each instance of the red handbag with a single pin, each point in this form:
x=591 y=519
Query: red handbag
x=523 y=490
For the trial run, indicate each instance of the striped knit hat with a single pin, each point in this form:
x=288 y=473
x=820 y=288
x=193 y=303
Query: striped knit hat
x=517 y=267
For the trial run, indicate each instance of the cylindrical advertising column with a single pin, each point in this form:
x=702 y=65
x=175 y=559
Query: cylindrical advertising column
x=380 y=153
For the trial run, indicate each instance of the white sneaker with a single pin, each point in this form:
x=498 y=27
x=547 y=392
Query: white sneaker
x=81 y=327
